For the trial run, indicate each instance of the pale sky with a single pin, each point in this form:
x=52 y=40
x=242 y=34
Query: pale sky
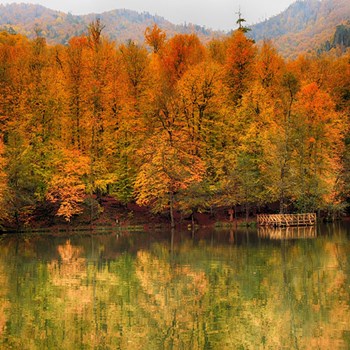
x=215 y=14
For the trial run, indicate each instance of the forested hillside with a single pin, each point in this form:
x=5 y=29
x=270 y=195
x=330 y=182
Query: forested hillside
x=180 y=127
x=58 y=27
x=307 y=26
x=304 y=27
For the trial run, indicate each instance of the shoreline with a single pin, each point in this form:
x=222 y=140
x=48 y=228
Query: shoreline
x=132 y=227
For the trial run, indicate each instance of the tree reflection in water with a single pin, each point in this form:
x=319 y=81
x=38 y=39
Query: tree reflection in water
x=216 y=290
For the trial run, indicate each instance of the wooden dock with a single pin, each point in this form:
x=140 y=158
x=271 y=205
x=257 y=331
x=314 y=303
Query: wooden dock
x=285 y=220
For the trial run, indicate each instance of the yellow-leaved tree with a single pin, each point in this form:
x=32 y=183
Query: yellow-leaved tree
x=67 y=186
x=168 y=168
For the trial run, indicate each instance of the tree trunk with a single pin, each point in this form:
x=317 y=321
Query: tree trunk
x=247 y=213
x=172 y=221
x=282 y=204
x=192 y=224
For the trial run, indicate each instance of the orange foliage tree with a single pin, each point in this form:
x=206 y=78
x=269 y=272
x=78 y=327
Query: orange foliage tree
x=180 y=52
x=240 y=55
x=155 y=38
x=319 y=149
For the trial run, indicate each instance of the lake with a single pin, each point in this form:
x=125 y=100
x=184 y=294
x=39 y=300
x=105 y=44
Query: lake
x=214 y=289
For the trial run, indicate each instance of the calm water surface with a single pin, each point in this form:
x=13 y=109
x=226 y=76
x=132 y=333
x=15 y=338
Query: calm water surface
x=216 y=290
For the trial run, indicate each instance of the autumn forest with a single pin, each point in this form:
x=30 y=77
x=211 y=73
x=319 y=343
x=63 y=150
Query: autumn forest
x=172 y=124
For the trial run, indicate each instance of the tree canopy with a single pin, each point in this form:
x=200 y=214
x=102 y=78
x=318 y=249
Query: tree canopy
x=175 y=125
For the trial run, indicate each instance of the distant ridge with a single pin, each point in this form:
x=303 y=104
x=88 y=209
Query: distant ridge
x=57 y=27
x=304 y=26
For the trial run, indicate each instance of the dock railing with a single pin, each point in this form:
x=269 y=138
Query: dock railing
x=278 y=220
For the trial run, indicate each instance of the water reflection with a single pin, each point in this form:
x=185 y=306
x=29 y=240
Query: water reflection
x=202 y=290
x=291 y=232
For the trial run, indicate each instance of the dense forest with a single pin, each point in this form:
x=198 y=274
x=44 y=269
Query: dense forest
x=173 y=124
